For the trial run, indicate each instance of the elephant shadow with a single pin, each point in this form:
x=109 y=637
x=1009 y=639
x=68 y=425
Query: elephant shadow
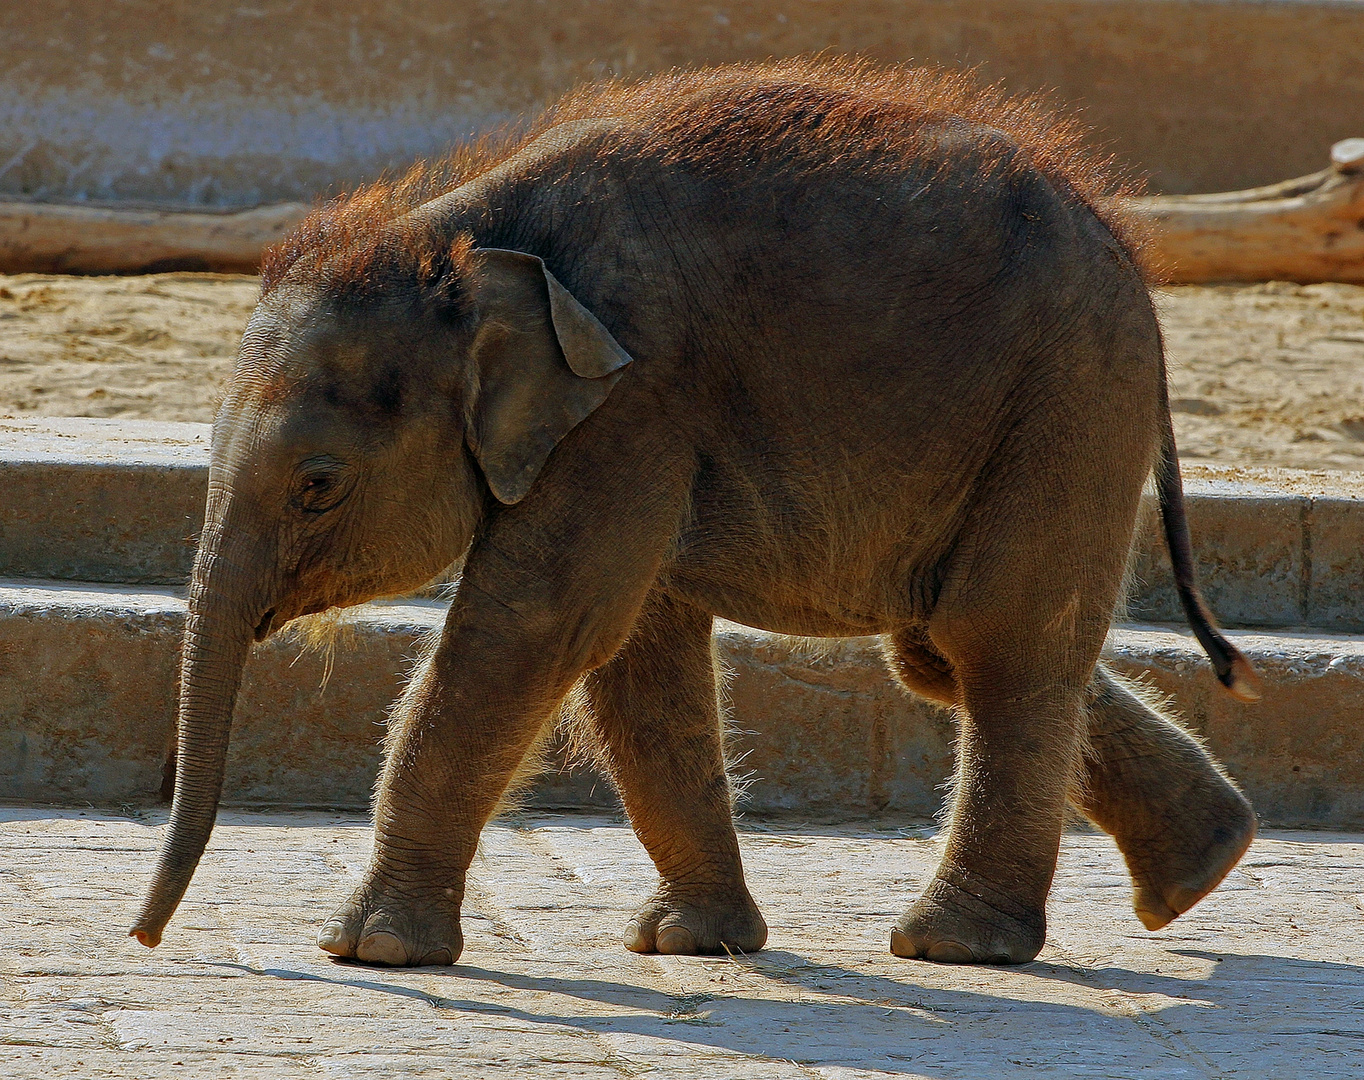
x=779 y=1005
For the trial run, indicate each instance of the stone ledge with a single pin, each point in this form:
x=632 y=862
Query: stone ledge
x=87 y=703
x=122 y=501
x=1275 y=547
x=101 y=500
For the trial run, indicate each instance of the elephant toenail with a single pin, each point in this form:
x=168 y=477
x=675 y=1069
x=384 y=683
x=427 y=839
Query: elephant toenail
x=437 y=958
x=635 y=940
x=1154 y=920
x=333 y=938
x=676 y=941
x=949 y=952
x=901 y=945
x=382 y=947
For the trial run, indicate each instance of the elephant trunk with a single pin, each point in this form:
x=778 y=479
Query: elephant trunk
x=218 y=635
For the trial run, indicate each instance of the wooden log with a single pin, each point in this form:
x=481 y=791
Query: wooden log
x=1304 y=230
x=1308 y=229
x=48 y=238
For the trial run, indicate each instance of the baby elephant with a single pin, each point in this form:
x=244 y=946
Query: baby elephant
x=817 y=348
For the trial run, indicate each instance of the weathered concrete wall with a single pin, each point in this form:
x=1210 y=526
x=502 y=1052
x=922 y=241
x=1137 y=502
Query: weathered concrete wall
x=88 y=697
x=1274 y=547
x=178 y=102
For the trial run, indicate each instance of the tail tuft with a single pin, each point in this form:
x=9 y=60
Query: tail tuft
x=1240 y=679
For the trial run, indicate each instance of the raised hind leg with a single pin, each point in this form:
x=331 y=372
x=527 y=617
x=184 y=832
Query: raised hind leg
x=654 y=719
x=1178 y=821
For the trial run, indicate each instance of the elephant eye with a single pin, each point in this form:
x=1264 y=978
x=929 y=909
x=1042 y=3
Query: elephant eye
x=319 y=489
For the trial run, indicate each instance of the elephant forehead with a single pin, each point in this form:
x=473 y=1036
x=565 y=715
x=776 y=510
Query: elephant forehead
x=284 y=347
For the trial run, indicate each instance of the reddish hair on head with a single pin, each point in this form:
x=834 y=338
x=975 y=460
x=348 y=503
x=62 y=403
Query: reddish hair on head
x=808 y=113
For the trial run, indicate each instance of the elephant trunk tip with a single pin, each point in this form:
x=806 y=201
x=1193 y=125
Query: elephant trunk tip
x=146 y=935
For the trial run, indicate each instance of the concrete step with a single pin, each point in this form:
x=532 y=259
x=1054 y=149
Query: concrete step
x=87 y=704
x=121 y=501
x=1275 y=548
x=101 y=500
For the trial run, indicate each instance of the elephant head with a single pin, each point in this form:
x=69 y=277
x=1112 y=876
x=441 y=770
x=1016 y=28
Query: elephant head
x=384 y=400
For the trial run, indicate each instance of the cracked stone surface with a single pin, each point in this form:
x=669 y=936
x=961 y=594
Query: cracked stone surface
x=1264 y=979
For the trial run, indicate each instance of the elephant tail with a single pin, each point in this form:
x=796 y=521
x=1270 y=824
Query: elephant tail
x=1233 y=670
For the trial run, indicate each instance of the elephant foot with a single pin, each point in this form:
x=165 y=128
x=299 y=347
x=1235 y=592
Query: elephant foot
x=375 y=928
x=692 y=924
x=1174 y=871
x=950 y=925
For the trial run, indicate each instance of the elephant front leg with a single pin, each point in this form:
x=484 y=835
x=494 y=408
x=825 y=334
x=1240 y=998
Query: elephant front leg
x=1179 y=822
x=655 y=725
x=456 y=739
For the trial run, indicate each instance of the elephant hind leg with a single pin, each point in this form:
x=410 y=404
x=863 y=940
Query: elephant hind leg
x=652 y=717
x=1180 y=824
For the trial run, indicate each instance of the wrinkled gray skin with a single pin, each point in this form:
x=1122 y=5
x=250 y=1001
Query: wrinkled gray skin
x=921 y=405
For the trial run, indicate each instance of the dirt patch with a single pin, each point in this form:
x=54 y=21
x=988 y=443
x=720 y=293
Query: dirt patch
x=157 y=347
x=1268 y=374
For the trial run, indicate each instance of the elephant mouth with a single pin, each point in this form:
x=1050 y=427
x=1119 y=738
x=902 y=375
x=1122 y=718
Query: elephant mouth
x=263 y=627
x=272 y=620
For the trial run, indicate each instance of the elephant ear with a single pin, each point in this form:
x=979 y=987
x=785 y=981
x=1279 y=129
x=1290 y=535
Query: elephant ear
x=541 y=363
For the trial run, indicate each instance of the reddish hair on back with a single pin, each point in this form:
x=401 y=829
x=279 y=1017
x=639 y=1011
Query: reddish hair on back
x=810 y=113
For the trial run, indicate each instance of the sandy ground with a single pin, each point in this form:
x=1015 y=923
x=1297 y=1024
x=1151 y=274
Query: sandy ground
x=1268 y=374
x=158 y=347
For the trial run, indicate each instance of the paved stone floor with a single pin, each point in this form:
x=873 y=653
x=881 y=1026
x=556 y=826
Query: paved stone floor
x=1265 y=979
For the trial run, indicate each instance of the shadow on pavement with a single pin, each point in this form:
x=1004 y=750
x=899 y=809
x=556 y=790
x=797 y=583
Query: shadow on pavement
x=781 y=1005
